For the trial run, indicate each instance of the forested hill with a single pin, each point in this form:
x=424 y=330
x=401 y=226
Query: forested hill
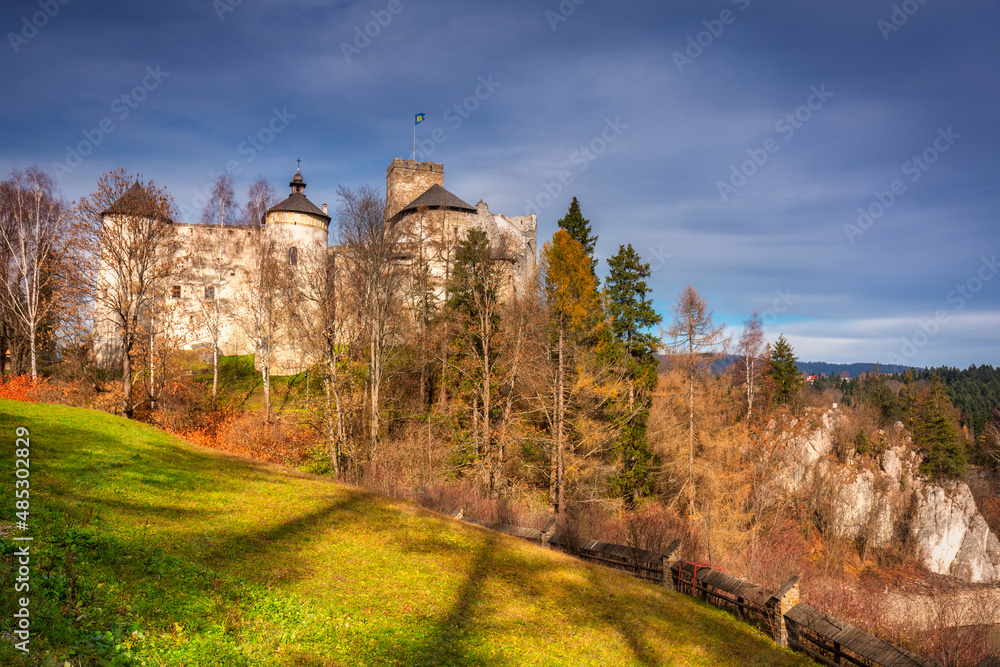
x=975 y=391
x=854 y=370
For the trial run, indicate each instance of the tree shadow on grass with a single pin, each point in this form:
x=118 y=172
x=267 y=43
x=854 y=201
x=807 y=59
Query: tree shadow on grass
x=450 y=642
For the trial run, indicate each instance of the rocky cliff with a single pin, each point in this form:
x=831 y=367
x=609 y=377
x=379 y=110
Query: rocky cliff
x=885 y=499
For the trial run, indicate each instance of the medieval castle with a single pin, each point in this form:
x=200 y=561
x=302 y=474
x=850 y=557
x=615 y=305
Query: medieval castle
x=431 y=221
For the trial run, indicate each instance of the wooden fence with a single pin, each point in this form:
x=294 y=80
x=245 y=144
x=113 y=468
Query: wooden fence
x=827 y=640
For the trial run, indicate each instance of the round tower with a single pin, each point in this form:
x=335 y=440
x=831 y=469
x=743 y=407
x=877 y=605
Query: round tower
x=299 y=227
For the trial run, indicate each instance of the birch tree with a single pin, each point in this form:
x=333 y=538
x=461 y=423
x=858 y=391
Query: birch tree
x=34 y=233
x=264 y=283
x=750 y=350
x=373 y=279
x=213 y=256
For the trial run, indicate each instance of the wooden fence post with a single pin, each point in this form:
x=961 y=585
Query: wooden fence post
x=784 y=599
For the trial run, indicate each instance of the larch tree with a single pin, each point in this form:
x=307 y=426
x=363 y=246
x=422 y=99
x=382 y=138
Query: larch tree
x=127 y=229
x=697 y=340
x=578 y=227
x=34 y=234
x=573 y=300
x=632 y=316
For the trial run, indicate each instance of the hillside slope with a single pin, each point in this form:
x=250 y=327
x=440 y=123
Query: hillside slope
x=148 y=550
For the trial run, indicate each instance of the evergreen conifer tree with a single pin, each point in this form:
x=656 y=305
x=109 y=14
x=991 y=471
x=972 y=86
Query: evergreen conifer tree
x=632 y=315
x=784 y=371
x=935 y=431
x=578 y=228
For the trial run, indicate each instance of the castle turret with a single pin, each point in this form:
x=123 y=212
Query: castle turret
x=405 y=180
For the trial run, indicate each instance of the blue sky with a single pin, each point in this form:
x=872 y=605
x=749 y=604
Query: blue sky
x=732 y=143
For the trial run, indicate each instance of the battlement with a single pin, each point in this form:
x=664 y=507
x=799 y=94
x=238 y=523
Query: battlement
x=399 y=163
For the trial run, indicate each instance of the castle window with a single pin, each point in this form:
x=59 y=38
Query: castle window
x=293 y=256
x=210 y=293
x=175 y=291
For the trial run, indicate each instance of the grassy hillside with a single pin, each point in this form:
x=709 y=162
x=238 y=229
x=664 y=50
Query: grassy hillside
x=151 y=551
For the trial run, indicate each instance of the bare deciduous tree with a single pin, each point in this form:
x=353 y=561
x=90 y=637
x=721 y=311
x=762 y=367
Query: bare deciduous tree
x=34 y=234
x=213 y=255
x=127 y=230
x=373 y=278
x=750 y=349
x=262 y=299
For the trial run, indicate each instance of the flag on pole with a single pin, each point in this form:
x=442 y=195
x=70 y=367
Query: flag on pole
x=418 y=118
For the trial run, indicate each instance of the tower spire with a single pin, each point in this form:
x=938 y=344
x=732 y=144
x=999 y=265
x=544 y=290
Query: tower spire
x=297 y=184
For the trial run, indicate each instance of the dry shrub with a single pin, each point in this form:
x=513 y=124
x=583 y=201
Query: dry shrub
x=22 y=388
x=450 y=497
x=857 y=429
x=654 y=526
x=589 y=521
x=250 y=434
x=774 y=555
x=180 y=406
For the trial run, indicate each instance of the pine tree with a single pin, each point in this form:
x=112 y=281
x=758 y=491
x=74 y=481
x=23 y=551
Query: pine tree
x=784 y=371
x=935 y=431
x=632 y=315
x=579 y=229
x=474 y=302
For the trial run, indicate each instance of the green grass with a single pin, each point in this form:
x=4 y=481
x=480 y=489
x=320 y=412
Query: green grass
x=240 y=383
x=151 y=551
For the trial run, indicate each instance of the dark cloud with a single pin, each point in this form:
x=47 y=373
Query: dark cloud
x=686 y=116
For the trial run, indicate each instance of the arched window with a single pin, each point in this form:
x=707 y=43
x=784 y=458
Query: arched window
x=293 y=256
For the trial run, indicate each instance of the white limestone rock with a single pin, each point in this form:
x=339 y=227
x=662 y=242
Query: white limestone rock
x=939 y=525
x=978 y=559
x=891 y=464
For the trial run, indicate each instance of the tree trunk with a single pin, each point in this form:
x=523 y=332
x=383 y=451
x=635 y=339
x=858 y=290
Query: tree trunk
x=33 y=342
x=265 y=376
x=691 y=446
x=127 y=380
x=376 y=381
x=560 y=432
x=215 y=375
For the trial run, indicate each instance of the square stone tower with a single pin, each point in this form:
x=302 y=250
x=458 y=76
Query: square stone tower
x=405 y=180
